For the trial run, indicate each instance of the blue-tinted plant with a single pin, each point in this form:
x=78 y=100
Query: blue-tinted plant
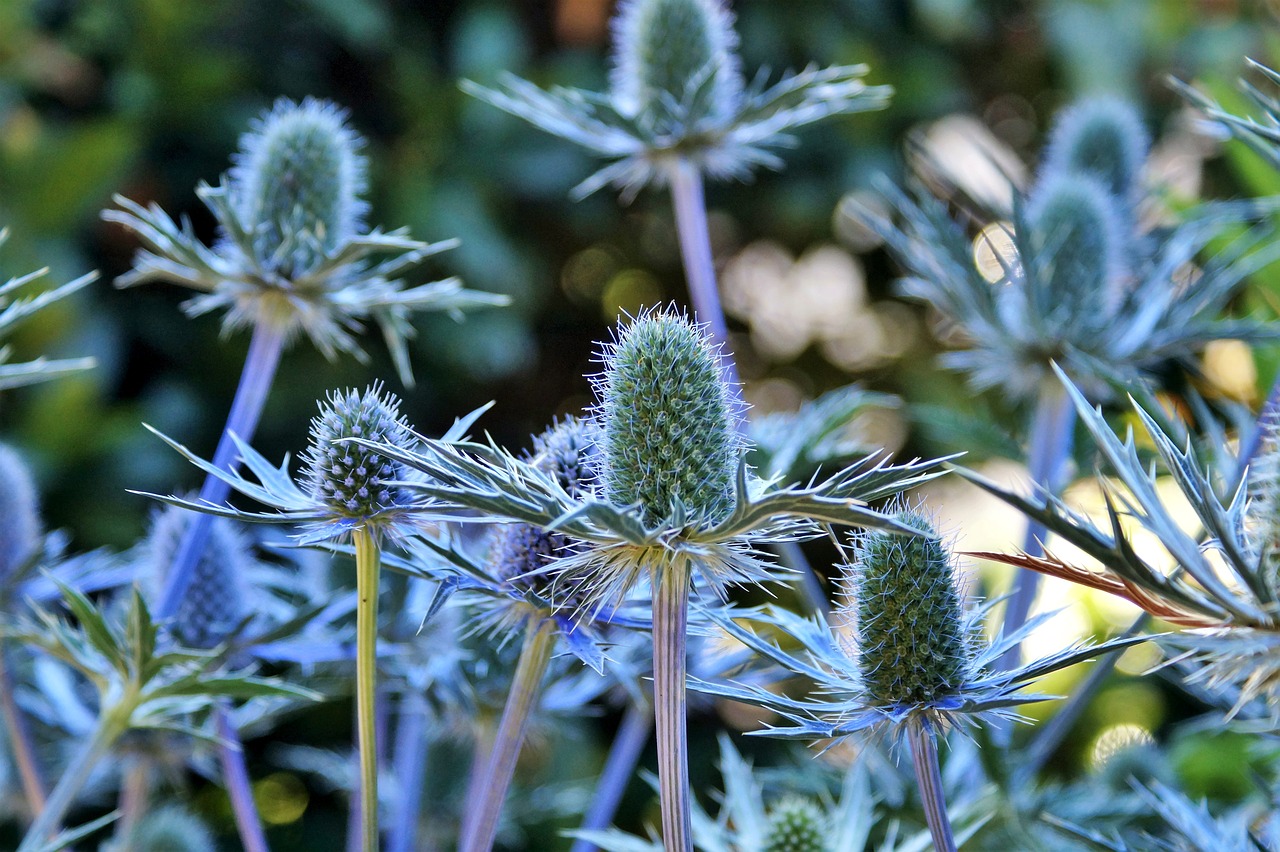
x=916 y=664
x=1262 y=134
x=675 y=502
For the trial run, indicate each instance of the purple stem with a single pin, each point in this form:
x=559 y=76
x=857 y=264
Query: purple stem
x=619 y=767
x=24 y=752
x=410 y=768
x=670 y=624
x=924 y=756
x=236 y=776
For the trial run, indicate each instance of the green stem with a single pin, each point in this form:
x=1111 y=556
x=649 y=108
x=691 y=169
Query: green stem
x=69 y=785
x=670 y=622
x=482 y=817
x=368 y=566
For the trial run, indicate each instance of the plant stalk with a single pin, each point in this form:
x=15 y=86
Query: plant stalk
x=924 y=757
x=410 y=765
x=1051 y=433
x=235 y=774
x=619 y=767
x=368 y=566
x=69 y=785
x=20 y=740
x=670 y=583
x=135 y=789
x=482 y=817
x=246 y=409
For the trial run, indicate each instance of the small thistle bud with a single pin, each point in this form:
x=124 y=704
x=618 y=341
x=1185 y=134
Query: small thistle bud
x=796 y=825
x=1076 y=234
x=1262 y=515
x=216 y=601
x=296 y=184
x=669 y=438
x=913 y=642
x=171 y=829
x=1101 y=137
x=351 y=478
x=19 y=514
x=664 y=50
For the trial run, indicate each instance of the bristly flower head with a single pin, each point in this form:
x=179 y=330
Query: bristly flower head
x=677 y=93
x=295 y=254
x=20 y=528
x=796 y=825
x=670 y=443
x=1261 y=524
x=1103 y=137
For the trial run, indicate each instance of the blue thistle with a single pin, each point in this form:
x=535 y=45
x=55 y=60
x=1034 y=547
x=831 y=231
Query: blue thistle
x=1262 y=516
x=20 y=528
x=297 y=184
x=796 y=825
x=1102 y=137
x=670 y=444
x=171 y=829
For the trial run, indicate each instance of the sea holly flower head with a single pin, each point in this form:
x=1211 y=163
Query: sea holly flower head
x=1102 y=137
x=294 y=252
x=677 y=92
x=796 y=824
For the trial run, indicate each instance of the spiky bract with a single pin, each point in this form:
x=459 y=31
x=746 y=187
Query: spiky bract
x=216 y=601
x=297 y=184
x=670 y=444
x=1102 y=137
x=351 y=479
x=796 y=825
x=911 y=627
x=664 y=51
x=19 y=514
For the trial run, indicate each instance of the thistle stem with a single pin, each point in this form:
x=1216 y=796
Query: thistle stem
x=24 y=752
x=1051 y=433
x=924 y=757
x=699 y=266
x=670 y=583
x=135 y=788
x=235 y=774
x=410 y=766
x=69 y=785
x=368 y=565
x=619 y=767
x=246 y=408
x=482 y=818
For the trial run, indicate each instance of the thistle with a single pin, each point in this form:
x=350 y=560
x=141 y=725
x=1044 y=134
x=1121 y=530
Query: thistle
x=171 y=829
x=1103 y=138
x=796 y=825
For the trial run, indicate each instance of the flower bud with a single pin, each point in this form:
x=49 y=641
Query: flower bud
x=19 y=514
x=913 y=644
x=1101 y=137
x=665 y=50
x=796 y=825
x=216 y=601
x=1076 y=234
x=350 y=478
x=669 y=439
x=297 y=184
x=171 y=829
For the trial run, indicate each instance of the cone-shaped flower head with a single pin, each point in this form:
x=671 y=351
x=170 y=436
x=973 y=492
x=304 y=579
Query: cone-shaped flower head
x=796 y=825
x=171 y=829
x=351 y=479
x=297 y=184
x=19 y=514
x=665 y=51
x=216 y=601
x=1076 y=234
x=670 y=443
x=913 y=639
x=1102 y=137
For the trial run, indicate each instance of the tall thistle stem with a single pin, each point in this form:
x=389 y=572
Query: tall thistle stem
x=410 y=765
x=619 y=766
x=670 y=582
x=135 y=790
x=246 y=408
x=72 y=781
x=235 y=774
x=24 y=752
x=482 y=817
x=924 y=757
x=368 y=568
x=1051 y=433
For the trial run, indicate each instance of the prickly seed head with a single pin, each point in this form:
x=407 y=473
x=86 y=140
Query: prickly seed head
x=216 y=601
x=912 y=636
x=297 y=184
x=351 y=478
x=1102 y=137
x=1076 y=232
x=663 y=50
x=670 y=443
x=796 y=825
x=19 y=514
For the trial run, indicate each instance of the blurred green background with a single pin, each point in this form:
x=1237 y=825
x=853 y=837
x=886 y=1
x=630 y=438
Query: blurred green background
x=146 y=98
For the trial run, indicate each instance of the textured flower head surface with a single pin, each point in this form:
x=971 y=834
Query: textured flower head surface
x=913 y=651
x=1102 y=137
x=677 y=92
x=294 y=253
x=1071 y=280
x=646 y=509
x=352 y=474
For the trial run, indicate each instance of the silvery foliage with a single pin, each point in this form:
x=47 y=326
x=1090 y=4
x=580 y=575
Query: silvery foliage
x=1263 y=136
x=659 y=108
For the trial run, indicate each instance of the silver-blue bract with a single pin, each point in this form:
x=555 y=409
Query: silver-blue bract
x=294 y=253
x=677 y=93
